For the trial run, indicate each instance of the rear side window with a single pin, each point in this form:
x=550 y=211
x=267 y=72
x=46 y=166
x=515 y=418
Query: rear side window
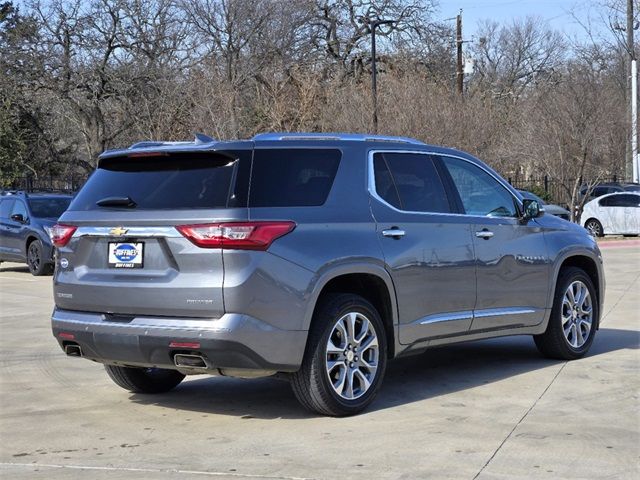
x=410 y=182
x=48 y=207
x=178 y=181
x=292 y=177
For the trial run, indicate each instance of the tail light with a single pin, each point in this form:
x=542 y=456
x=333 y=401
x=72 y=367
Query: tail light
x=61 y=234
x=239 y=235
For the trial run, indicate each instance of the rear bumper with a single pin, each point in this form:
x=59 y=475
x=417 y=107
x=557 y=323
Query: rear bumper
x=232 y=342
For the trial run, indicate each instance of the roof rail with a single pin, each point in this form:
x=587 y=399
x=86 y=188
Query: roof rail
x=200 y=138
x=356 y=137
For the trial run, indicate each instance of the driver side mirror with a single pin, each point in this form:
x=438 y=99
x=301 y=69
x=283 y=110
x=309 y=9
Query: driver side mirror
x=17 y=217
x=531 y=208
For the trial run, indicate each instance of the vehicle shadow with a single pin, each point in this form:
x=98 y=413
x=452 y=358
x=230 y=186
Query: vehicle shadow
x=15 y=267
x=439 y=371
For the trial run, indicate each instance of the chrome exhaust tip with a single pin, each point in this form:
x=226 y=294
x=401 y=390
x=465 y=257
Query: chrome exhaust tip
x=184 y=360
x=73 y=350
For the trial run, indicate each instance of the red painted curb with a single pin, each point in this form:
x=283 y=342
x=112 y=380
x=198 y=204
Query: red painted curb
x=619 y=243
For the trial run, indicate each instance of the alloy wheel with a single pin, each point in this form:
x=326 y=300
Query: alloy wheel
x=577 y=314
x=352 y=355
x=594 y=228
x=33 y=257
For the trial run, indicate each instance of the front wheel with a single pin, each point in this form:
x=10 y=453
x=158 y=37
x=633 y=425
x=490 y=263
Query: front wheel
x=345 y=359
x=144 y=380
x=35 y=259
x=574 y=316
x=594 y=227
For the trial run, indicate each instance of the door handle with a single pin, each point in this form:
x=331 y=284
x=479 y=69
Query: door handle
x=486 y=234
x=393 y=233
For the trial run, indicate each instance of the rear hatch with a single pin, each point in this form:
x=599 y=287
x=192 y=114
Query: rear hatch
x=126 y=257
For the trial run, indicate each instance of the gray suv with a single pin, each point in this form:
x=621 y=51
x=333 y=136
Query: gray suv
x=315 y=257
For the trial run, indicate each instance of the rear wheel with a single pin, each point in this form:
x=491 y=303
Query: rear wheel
x=144 y=380
x=35 y=259
x=574 y=316
x=594 y=227
x=346 y=357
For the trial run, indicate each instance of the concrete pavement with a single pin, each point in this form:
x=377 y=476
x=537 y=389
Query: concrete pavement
x=490 y=410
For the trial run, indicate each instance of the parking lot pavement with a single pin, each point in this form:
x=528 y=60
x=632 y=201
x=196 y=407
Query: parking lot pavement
x=489 y=410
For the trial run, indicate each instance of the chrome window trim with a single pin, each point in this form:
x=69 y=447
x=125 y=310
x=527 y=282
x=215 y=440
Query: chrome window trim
x=371 y=183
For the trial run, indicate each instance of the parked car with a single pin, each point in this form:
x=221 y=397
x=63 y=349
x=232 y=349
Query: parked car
x=316 y=257
x=25 y=220
x=613 y=214
x=600 y=189
x=631 y=187
x=549 y=208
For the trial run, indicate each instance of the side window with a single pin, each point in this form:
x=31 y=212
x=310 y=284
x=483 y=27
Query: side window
x=410 y=182
x=19 y=209
x=481 y=194
x=627 y=200
x=292 y=177
x=614 y=201
x=634 y=201
x=5 y=208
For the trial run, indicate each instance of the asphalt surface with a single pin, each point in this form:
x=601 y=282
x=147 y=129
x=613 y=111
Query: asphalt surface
x=489 y=410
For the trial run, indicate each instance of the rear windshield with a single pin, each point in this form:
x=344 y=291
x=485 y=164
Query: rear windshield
x=292 y=177
x=179 y=181
x=48 y=207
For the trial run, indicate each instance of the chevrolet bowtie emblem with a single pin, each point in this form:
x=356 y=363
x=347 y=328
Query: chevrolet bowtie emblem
x=118 y=231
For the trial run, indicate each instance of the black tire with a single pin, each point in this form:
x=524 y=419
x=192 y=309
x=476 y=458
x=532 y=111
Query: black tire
x=595 y=227
x=311 y=384
x=553 y=343
x=35 y=259
x=144 y=380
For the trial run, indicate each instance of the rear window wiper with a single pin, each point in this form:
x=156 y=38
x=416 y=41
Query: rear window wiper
x=117 y=202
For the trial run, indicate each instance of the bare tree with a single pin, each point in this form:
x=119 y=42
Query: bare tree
x=510 y=58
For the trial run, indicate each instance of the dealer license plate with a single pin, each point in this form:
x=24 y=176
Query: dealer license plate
x=126 y=255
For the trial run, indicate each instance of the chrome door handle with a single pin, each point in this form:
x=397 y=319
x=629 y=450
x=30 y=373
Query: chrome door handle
x=486 y=234
x=394 y=233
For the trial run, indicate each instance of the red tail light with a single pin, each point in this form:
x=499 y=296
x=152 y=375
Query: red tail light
x=61 y=234
x=238 y=235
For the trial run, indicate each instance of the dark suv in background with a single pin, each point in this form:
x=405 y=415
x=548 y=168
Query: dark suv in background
x=25 y=221
x=316 y=257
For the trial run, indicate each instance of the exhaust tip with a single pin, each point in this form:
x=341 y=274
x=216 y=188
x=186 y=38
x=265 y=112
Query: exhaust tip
x=185 y=360
x=73 y=350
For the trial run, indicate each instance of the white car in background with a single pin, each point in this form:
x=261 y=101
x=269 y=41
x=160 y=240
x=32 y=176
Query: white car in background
x=613 y=214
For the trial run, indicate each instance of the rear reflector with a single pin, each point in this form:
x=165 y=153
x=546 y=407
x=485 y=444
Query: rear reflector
x=184 y=345
x=238 y=235
x=61 y=234
x=67 y=336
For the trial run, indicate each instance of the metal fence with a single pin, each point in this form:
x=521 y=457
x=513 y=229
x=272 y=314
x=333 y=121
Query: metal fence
x=553 y=190
x=49 y=184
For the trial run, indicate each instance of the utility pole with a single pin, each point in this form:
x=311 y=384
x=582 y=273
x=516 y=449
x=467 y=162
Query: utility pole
x=373 y=25
x=632 y=156
x=459 y=70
